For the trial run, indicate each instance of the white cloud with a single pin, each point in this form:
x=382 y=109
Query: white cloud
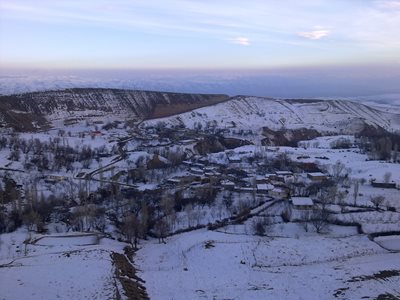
x=241 y=41
x=389 y=4
x=314 y=35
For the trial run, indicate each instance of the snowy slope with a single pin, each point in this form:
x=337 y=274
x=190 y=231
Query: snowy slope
x=88 y=102
x=72 y=266
x=239 y=266
x=339 y=116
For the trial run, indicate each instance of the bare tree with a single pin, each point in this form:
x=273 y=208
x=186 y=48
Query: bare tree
x=131 y=229
x=161 y=229
x=319 y=219
x=338 y=169
x=356 y=188
x=340 y=197
x=260 y=226
x=189 y=214
x=32 y=219
x=88 y=217
x=287 y=214
x=377 y=201
x=305 y=218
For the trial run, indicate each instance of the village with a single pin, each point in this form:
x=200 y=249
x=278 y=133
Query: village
x=146 y=186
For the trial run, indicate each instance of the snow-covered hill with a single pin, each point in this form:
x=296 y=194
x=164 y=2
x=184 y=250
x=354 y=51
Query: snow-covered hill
x=254 y=113
x=25 y=111
x=68 y=103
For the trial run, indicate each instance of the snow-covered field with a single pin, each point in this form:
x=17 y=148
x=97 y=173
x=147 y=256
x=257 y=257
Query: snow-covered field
x=75 y=266
x=217 y=265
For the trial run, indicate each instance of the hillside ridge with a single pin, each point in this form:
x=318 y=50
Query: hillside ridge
x=37 y=109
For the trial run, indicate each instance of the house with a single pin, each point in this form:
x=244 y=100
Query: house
x=309 y=167
x=261 y=179
x=270 y=177
x=245 y=189
x=234 y=159
x=302 y=203
x=227 y=184
x=187 y=142
x=384 y=185
x=317 y=176
x=174 y=180
x=54 y=178
x=279 y=193
x=210 y=169
x=285 y=176
x=198 y=165
x=283 y=173
x=196 y=171
x=187 y=162
x=264 y=188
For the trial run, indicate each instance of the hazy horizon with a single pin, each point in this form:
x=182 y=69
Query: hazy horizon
x=288 y=82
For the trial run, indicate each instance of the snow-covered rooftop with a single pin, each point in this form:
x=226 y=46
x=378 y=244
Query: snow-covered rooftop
x=302 y=201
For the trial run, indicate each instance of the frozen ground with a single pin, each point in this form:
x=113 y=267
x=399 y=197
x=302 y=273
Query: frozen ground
x=57 y=267
x=217 y=265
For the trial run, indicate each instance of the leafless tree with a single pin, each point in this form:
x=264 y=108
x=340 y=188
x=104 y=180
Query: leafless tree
x=161 y=229
x=32 y=219
x=319 y=219
x=189 y=214
x=339 y=171
x=377 y=201
x=131 y=229
x=88 y=217
x=356 y=188
x=287 y=214
x=261 y=225
x=340 y=197
x=305 y=216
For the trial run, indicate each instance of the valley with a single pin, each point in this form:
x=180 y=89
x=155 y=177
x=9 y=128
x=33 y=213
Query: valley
x=193 y=196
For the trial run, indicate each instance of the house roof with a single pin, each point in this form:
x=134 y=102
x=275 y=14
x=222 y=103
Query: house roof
x=279 y=190
x=300 y=201
x=283 y=173
x=317 y=174
x=264 y=187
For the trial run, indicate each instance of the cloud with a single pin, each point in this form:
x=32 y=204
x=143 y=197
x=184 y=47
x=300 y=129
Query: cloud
x=389 y=4
x=240 y=41
x=314 y=35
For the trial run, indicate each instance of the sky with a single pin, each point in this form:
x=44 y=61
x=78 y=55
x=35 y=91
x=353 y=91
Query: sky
x=300 y=37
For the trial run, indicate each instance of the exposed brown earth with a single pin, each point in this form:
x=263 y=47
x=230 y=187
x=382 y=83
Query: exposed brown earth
x=161 y=111
x=287 y=137
x=214 y=144
x=126 y=274
x=29 y=111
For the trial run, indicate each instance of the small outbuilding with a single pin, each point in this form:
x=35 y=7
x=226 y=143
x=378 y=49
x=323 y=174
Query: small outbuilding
x=264 y=188
x=303 y=203
x=317 y=176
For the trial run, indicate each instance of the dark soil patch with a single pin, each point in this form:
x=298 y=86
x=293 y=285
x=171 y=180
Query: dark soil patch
x=340 y=292
x=126 y=274
x=382 y=275
x=387 y=296
x=209 y=244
